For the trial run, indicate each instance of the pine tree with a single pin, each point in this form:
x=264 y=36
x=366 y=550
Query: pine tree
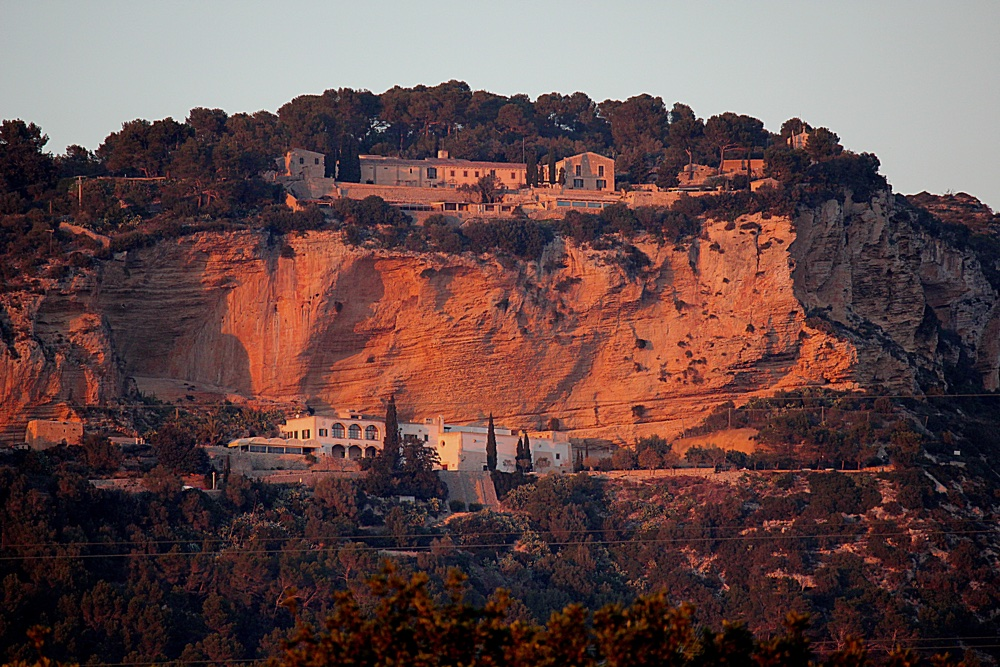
x=491 y=447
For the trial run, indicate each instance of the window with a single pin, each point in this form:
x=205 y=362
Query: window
x=453 y=173
x=466 y=173
x=577 y=182
x=601 y=184
x=338 y=430
x=513 y=176
x=324 y=432
x=295 y=435
x=306 y=433
x=302 y=160
x=577 y=170
x=557 y=456
x=316 y=160
x=477 y=174
x=493 y=172
x=600 y=170
x=432 y=172
x=371 y=433
x=354 y=432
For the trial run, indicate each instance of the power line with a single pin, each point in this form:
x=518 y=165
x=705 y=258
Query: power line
x=494 y=545
x=588 y=531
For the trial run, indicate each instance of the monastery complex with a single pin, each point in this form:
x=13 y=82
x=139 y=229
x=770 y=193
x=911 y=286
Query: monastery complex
x=352 y=435
x=445 y=185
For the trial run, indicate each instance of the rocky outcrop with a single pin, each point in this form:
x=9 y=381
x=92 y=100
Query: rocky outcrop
x=57 y=358
x=892 y=287
x=845 y=295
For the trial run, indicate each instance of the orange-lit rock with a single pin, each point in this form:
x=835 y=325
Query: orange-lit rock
x=574 y=336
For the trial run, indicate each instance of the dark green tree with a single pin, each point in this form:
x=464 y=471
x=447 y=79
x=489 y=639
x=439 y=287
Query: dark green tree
x=491 y=446
x=24 y=169
x=174 y=446
x=380 y=480
x=523 y=458
x=527 y=453
x=416 y=475
x=349 y=170
x=823 y=145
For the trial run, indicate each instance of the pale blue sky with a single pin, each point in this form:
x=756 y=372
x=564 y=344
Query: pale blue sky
x=917 y=83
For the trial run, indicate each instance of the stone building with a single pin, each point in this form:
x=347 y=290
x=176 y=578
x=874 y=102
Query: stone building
x=440 y=172
x=741 y=166
x=43 y=433
x=300 y=163
x=798 y=141
x=587 y=171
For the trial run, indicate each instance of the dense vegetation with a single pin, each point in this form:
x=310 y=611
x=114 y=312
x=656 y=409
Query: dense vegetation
x=409 y=627
x=897 y=557
x=159 y=179
x=901 y=556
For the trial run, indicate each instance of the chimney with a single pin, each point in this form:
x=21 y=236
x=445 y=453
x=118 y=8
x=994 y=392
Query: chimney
x=442 y=155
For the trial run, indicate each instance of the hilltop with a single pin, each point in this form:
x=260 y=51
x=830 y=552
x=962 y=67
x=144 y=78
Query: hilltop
x=190 y=281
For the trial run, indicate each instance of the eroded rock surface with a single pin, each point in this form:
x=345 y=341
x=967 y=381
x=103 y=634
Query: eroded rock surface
x=846 y=295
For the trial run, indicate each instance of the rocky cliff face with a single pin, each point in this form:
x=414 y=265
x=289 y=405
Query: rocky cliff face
x=846 y=295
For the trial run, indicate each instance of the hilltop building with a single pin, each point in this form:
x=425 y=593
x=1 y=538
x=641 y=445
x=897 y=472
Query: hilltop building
x=440 y=172
x=299 y=163
x=743 y=166
x=798 y=141
x=586 y=171
x=352 y=435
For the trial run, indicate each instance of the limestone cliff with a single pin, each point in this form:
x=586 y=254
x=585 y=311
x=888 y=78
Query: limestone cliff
x=845 y=295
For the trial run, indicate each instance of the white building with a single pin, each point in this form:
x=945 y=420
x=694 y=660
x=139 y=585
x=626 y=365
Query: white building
x=464 y=448
x=353 y=435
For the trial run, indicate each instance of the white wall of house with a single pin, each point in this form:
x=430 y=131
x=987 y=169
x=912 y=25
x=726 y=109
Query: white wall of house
x=354 y=435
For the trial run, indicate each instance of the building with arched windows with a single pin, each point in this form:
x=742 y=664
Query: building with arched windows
x=353 y=435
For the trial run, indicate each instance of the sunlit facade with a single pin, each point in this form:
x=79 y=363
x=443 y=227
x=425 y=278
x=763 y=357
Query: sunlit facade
x=353 y=435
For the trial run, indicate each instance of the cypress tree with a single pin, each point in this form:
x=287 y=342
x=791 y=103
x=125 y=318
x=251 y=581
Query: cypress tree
x=350 y=162
x=552 y=167
x=390 y=443
x=532 y=170
x=491 y=447
x=382 y=469
x=527 y=453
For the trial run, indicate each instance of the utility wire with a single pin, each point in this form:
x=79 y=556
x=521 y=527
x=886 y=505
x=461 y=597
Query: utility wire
x=288 y=538
x=487 y=545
